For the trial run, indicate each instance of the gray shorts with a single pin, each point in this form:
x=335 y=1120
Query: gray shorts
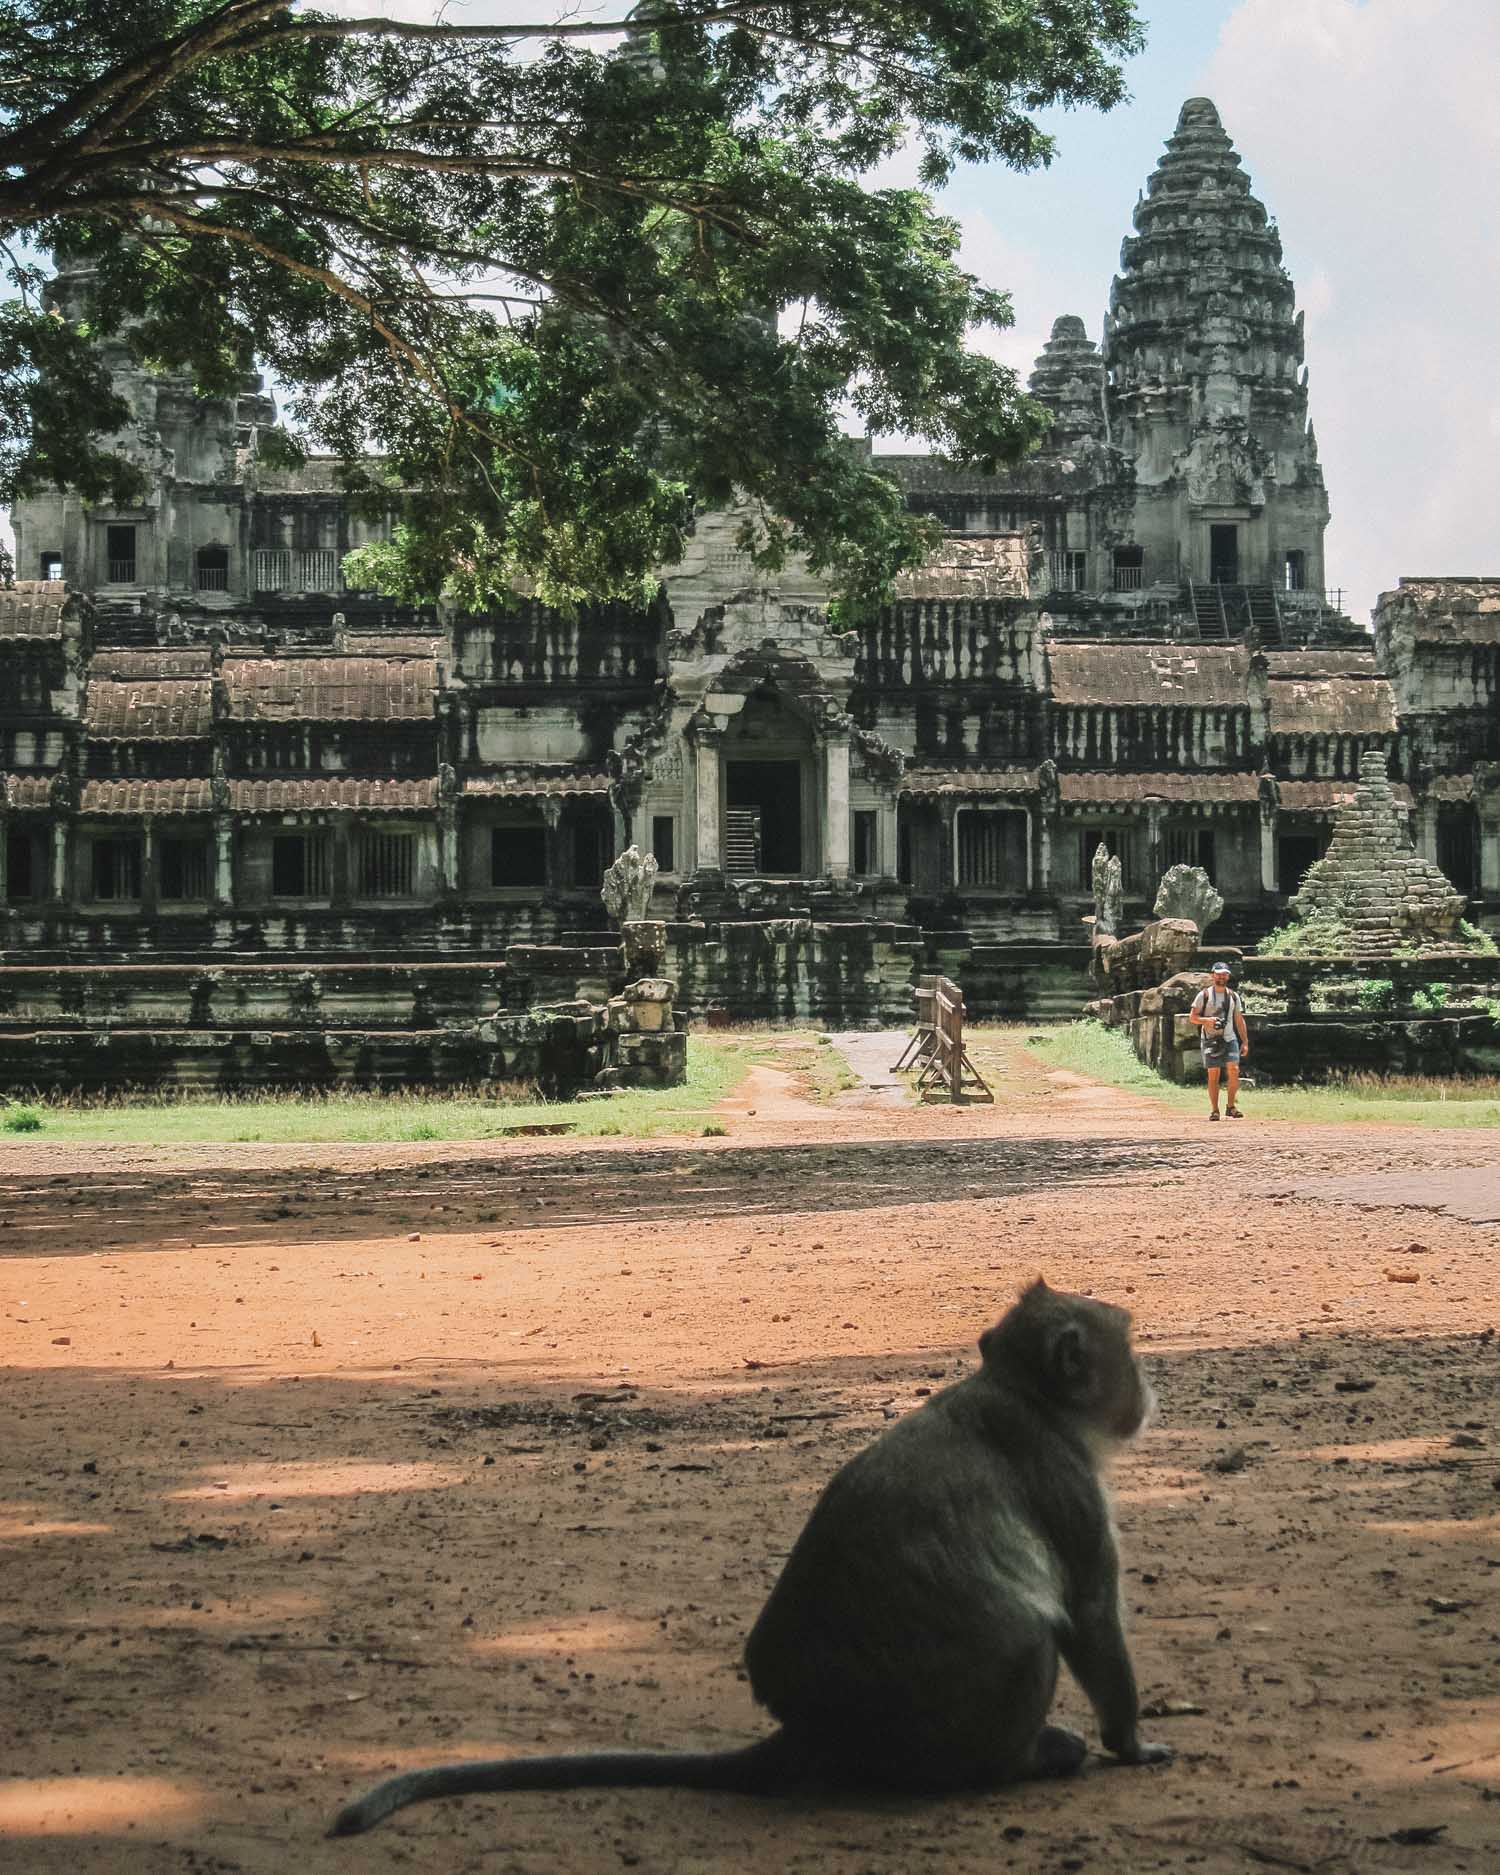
x=1222 y=1057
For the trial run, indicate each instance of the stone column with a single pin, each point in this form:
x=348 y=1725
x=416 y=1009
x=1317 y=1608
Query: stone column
x=339 y=879
x=620 y=823
x=1426 y=830
x=150 y=857
x=948 y=849
x=1269 y=801
x=1033 y=840
x=887 y=840
x=61 y=845
x=223 y=860
x=552 y=819
x=1155 y=847
x=4 y=853
x=1489 y=858
x=1267 y=851
x=709 y=857
x=836 y=807
x=447 y=833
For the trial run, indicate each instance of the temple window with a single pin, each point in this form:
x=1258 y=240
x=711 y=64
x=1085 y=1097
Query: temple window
x=664 y=842
x=385 y=864
x=1129 y=568
x=213 y=569
x=117 y=867
x=866 y=862
x=1191 y=846
x=1296 y=570
x=300 y=865
x=52 y=565
x=184 y=868
x=1070 y=571
x=991 y=847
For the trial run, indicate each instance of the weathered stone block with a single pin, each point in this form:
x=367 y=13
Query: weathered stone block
x=652 y=990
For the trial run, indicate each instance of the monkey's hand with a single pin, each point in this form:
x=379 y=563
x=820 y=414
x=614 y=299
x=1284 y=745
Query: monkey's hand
x=1139 y=1751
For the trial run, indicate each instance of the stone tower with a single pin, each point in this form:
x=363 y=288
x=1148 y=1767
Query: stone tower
x=1205 y=387
x=1068 y=378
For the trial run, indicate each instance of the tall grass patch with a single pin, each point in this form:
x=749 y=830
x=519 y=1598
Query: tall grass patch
x=349 y=1116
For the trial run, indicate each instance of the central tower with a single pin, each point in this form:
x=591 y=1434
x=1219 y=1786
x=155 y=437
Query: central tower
x=1205 y=388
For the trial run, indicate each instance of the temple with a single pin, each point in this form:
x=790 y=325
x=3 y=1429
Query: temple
x=212 y=748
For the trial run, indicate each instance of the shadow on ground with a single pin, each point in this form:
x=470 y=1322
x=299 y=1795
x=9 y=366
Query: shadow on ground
x=228 y=1605
x=56 y=1215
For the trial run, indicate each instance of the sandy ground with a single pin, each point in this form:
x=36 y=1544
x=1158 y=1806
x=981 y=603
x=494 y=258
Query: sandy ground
x=320 y=1462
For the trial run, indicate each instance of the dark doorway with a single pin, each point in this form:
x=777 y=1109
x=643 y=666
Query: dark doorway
x=1296 y=853
x=773 y=790
x=1455 y=847
x=518 y=855
x=1224 y=555
x=21 y=868
x=590 y=834
x=119 y=550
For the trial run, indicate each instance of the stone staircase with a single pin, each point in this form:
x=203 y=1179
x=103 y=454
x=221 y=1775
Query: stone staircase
x=1222 y=613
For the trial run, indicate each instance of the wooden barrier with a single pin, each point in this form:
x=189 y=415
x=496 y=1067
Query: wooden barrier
x=924 y=1037
x=937 y=1044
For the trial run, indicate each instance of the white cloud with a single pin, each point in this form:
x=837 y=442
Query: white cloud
x=1369 y=128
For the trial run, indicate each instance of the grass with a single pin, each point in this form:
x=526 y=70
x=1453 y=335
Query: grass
x=715 y=1065
x=1355 y=1100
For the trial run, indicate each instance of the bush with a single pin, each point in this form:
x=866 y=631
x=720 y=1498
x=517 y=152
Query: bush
x=20 y=1119
x=1431 y=996
x=1478 y=941
x=1375 y=993
x=1313 y=937
x=715 y=1131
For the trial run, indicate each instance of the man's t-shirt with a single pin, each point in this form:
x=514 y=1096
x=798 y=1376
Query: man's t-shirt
x=1224 y=1005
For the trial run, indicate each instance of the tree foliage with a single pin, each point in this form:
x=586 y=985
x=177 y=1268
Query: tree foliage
x=561 y=284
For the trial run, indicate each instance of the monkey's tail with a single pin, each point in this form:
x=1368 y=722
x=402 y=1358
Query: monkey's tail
x=754 y=1770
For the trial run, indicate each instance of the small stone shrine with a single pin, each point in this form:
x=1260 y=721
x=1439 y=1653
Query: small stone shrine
x=1372 y=894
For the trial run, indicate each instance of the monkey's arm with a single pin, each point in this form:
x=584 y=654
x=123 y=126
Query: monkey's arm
x=1094 y=1648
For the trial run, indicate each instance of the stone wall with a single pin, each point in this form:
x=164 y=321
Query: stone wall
x=1436 y=1019
x=561 y=1019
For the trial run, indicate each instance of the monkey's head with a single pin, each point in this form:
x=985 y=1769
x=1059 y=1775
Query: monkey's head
x=1075 y=1353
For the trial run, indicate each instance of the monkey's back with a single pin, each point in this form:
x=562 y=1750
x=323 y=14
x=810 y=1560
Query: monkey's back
x=921 y=1603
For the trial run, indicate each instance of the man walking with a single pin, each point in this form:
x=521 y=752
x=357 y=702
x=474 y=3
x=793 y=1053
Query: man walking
x=1218 y=1014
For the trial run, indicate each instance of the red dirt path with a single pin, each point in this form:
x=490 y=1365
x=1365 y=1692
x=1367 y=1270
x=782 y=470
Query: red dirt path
x=322 y=1461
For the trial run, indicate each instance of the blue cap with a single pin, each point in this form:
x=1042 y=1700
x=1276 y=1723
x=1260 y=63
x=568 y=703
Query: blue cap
x=1218 y=967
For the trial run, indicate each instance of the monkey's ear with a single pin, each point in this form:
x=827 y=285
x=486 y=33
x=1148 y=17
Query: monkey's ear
x=987 y=1342
x=1070 y=1355
x=1035 y=1289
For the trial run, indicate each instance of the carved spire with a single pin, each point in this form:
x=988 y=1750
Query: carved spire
x=1203 y=322
x=1069 y=379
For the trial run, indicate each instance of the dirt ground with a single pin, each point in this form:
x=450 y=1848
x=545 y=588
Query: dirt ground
x=320 y=1462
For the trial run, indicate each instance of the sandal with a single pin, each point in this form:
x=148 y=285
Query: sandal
x=1214 y=1114
x=1234 y=1113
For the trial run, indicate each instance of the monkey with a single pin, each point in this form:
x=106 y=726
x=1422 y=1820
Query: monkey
x=912 y=1640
